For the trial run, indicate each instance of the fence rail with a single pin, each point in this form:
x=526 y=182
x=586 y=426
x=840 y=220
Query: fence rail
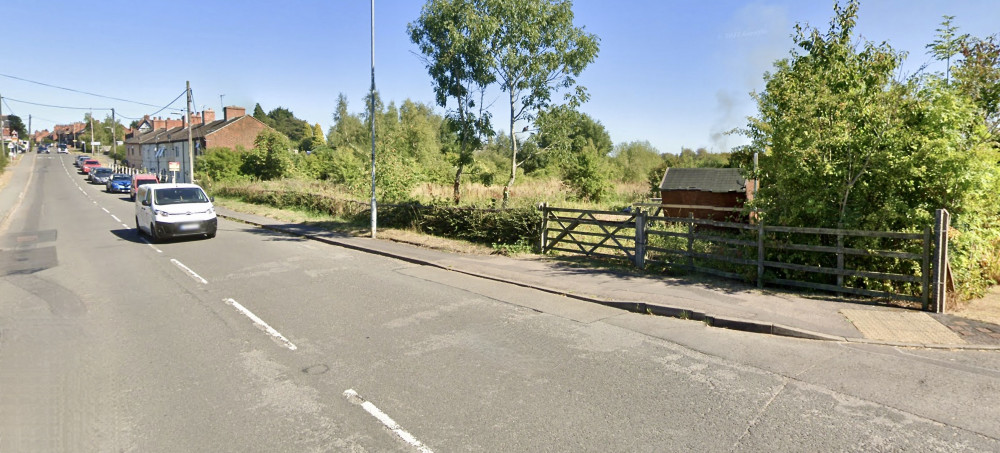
x=883 y=264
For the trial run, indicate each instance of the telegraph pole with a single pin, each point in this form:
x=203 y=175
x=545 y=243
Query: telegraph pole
x=92 y=132
x=372 y=118
x=3 y=147
x=31 y=140
x=114 y=140
x=190 y=141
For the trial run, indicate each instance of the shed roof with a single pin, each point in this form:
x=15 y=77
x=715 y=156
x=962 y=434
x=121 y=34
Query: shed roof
x=704 y=179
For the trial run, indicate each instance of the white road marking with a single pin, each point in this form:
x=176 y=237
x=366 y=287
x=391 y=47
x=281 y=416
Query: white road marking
x=106 y=209
x=388 y=422
x=262 y=325
x=124 y=225
x=116 y=218
x=189 y=271
x=150 y=244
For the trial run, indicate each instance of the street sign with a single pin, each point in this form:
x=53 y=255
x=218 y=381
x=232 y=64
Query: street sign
x=173 y=166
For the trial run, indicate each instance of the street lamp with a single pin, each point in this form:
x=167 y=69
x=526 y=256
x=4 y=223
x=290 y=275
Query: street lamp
x=114 y=145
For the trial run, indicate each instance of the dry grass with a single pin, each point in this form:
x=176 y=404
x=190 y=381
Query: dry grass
x=528 y=192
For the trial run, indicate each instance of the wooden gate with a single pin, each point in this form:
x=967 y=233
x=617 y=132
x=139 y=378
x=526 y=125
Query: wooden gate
x=604 y=234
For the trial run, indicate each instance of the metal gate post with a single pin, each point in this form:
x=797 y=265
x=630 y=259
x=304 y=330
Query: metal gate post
x=640 y=238
x=543 y=242
x=940 y=260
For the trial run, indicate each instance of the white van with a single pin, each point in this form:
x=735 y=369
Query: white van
x=168 y=210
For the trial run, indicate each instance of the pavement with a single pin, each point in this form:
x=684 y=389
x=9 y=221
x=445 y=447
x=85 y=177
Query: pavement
x=716 y=303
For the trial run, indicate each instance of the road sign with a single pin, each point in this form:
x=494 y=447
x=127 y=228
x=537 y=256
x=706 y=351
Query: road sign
x=173 y=166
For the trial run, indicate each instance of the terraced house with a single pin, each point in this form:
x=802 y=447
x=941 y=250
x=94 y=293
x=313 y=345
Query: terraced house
x=157 y=141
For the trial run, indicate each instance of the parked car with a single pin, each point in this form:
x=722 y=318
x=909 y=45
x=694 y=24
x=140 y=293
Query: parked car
x=169 y=210
x=80 y=159
x=88 y=165
x=61 y=149
x=139 y=180
x=119 y=182
x=100 y=175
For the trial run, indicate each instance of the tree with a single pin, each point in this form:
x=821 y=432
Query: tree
x=318 y=136
x=534 y=49
x=563 y=133
x=451 y=38
x=947 y=45
x=15 y=123
x=636 y=160
x=978 y=77
x=258 y=113
x=348 y=131
x=284 y=121
x=270 y=157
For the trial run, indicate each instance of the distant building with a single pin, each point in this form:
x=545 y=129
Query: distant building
x=157 y=142
x=705 y=193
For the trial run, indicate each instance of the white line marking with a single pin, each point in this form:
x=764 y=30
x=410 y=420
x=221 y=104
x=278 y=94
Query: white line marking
x=115 y=217
x=150 y=244
x=124 y=225
x=106 y=209
x=388 y=422
x=262 y=325
x=189 y=271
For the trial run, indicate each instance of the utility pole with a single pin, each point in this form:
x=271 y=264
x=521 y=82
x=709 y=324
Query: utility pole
x=114 y=140
x=3 y=147
x=190 y=141
x=92 y=132
x=372 y=119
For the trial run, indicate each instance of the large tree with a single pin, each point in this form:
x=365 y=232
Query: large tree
x=530 y=48
x=452 y=41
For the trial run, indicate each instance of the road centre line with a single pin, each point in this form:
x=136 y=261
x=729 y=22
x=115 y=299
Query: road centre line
x=189 y=271
x=124 y=225
x=275 y=335
x=116 y=218
x=149 y=244
x=353 y=397
x=109 y=212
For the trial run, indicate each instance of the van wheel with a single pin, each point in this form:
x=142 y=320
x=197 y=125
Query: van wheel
x=152 y=232
x=138 y=230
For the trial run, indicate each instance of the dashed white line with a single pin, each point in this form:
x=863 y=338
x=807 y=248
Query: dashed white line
x=109 y=212
x=150 y=244
x=262 y=325
x=189 y=271
x=116 y=218
x=388 y=422
x=124 y=225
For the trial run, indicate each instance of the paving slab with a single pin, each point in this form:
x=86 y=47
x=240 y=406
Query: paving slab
x=901 y=327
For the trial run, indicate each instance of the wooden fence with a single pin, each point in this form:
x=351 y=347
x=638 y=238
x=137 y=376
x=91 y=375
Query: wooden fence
x=893 y=265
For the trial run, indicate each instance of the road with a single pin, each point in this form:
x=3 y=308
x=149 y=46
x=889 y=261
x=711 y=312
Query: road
x=260 y=342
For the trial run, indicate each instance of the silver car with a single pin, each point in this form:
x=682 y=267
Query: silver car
x=100 y=175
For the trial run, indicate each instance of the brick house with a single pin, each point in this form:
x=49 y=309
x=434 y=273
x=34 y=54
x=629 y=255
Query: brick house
x=705 y=193
x=166 y=141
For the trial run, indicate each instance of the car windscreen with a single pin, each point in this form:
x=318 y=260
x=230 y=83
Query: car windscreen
x=140 y=182
x=179 y=195
x=102 y=171
x=120 y=177
x=91 y=162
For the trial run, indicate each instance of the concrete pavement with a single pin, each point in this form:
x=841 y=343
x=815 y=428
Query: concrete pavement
x=720 y=304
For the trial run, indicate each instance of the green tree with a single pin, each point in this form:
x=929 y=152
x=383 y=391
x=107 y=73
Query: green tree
x=270 y=158
x=348 y=131
x=947 y=45
x=451 y=38
x=258 y=113
x=563 y=133
x=15 y=123
x=318 y=136
x=535 y=50
x=284 y=121
x=588 y=174
x=978 y=77
x=635 y=160
x=219 y=164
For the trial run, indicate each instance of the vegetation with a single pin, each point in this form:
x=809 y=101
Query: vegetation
x=843 y=144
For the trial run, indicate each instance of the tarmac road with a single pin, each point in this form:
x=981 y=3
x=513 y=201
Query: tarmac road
x=259 y=341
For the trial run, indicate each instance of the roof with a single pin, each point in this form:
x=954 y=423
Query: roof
x=179 y=134
x=718 y=180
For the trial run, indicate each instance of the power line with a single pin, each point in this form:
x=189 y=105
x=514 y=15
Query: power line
x=57 y=106
x=11 y=110
x=76 y=91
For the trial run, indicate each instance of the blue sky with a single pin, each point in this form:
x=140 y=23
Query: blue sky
x=675 y=73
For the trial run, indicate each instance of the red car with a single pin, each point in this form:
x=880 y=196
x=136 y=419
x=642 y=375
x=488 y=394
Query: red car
x=88 y=165
x=141 y=179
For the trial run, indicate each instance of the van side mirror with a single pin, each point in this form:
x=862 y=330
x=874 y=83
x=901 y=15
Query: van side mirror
x=212 y=199
x=145 y=202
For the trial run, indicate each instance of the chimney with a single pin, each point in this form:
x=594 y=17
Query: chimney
x=158 y=123
x=208 y=115
x=196 y=119
x=233 y=112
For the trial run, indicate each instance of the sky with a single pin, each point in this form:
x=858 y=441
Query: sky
x=673 y=73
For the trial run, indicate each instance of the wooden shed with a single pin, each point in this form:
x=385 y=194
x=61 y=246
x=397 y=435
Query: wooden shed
x=708 y=193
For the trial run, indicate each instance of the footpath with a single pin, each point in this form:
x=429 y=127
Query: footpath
x=724 y=305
